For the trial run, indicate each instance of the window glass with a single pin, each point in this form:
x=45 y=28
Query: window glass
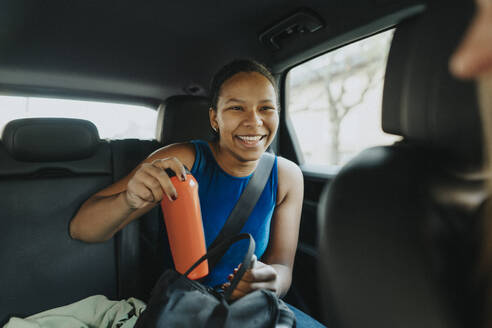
x=334 y=101
x=113 y=121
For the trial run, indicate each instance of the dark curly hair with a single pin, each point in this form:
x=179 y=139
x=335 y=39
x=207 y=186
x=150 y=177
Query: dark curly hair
x=231 y=69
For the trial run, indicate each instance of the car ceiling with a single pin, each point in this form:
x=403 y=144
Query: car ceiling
x=146 y=51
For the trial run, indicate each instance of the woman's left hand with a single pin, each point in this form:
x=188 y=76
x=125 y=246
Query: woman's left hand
x=258 y=276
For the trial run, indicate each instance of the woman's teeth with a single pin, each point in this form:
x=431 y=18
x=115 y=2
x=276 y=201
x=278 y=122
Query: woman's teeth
x=250 y=138
x=252 y=141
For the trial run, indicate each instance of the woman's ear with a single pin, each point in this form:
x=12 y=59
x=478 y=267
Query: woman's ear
x=212 y=114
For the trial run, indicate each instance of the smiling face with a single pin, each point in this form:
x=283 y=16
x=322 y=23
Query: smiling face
x=246 y=116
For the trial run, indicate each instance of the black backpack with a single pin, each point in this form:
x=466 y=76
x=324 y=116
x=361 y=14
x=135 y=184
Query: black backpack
x=177 y=301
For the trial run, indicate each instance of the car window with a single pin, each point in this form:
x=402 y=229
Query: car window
x=113 y=121
x=334 y=101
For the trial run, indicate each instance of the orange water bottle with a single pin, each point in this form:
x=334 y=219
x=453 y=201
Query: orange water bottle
x=183 y=219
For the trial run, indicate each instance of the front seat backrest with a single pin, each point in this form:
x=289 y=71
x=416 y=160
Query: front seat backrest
x=394 y=241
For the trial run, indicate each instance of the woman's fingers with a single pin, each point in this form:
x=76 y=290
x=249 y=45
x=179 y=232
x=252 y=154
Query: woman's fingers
x=236 y=294
x=151 y=182
x=252 y=265
x=137 y=194
x=139 y=189
x=161 y=182
x=146 y=184
x=261 y=272
x=171 y=163
x=133 y=200
x=260 y=276
x=245 y=287
x=158 y=170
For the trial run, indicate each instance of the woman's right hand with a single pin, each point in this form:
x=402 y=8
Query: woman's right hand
x=150 y=182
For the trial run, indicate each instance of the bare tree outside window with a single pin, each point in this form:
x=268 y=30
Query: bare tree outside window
x=334 y=101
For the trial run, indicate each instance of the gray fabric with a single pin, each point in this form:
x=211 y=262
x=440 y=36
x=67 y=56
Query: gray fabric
x=93 y=312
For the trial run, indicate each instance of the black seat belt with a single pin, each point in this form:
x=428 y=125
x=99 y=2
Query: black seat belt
x=247 y=201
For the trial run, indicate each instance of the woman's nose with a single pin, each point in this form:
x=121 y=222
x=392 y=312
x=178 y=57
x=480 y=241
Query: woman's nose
x=253 y=119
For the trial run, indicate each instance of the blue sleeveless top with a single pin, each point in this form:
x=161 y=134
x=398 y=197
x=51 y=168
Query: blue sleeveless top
x=219 y=192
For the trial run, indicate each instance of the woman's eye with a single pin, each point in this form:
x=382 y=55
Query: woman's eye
x=267 y=108
x=235 y=107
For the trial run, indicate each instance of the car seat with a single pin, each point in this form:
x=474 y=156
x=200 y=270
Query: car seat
x=183 y=118
x=48 y=167
x=398 y=224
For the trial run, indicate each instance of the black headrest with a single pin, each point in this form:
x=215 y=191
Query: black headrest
x=183 y=118
x=422 y=101
x=50 y=139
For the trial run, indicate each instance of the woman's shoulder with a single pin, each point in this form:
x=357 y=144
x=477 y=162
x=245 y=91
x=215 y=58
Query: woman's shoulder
x=183 y=151
x=288 y=168
x=289 y=177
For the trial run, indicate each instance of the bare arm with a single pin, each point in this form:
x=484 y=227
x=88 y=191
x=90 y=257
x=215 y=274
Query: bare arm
x=275 y=272
x=110 y=209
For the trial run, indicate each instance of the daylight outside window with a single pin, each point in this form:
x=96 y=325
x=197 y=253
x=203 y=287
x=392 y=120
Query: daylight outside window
x=113 y=121
x=334 y=101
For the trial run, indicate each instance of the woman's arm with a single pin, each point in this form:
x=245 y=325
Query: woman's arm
x=275 y=272
x=110 y=209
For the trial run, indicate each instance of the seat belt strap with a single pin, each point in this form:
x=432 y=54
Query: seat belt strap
x=247 y=201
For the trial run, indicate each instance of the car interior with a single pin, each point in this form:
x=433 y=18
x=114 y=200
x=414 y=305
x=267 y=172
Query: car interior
x=371 y=250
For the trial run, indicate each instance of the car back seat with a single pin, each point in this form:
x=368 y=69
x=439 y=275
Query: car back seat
x=48 y=168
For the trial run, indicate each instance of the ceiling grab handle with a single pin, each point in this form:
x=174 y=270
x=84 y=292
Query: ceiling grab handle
x=301 y=22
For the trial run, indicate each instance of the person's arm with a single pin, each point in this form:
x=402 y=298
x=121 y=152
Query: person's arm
x=275 y=272
x=110 y=209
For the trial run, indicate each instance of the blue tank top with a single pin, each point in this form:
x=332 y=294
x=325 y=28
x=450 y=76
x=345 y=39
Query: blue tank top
x=219 y=192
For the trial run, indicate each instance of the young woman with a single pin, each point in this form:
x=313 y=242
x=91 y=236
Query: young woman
x=244 y=115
